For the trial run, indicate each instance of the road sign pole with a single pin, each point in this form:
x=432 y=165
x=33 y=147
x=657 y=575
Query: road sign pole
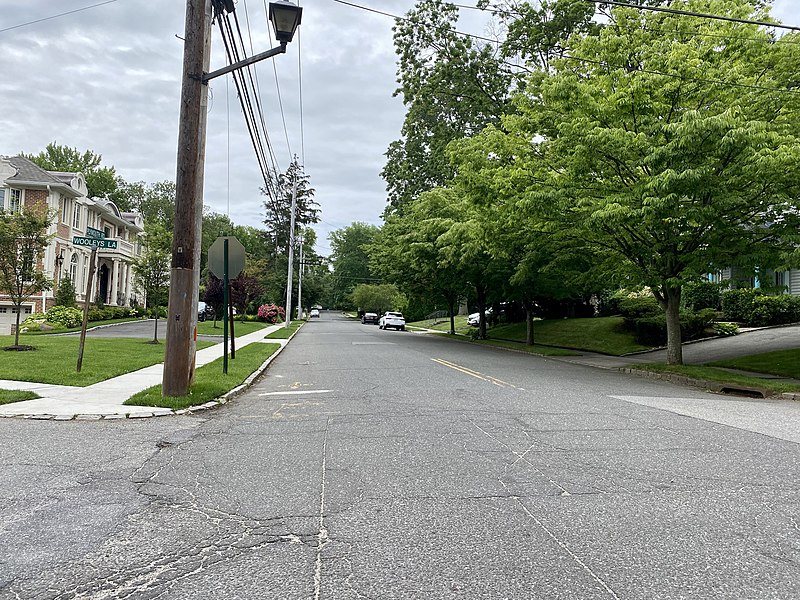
x=87 y=298
x=225 y=300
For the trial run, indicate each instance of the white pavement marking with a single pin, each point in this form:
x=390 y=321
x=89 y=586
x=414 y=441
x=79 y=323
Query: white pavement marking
x=296 y=393
x=774 y=418
x=322 y=536
x=373 y=343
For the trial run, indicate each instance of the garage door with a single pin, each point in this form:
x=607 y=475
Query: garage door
x=8 y=313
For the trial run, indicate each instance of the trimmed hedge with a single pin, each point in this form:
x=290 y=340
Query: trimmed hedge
x=754 y=307
x=652 y=331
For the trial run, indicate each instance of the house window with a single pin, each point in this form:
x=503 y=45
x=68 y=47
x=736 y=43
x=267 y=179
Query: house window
x=73 y=269
x=14 y=200
x=108 y=232
x=65 y=212
x=2 y=200
x=76 y=216
x=781 y=280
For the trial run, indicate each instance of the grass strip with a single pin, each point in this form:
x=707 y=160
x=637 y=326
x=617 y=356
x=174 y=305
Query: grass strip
x=55 y=358
x=721 y=376
x=285 y=332
x=210 y=382
x=783 y=363
x=9 y=396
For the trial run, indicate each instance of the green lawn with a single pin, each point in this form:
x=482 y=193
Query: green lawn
x=600 y=334
x=55 y=358
x=210 y=382
x=722 y=376
x=9 y=396
x=784 y=363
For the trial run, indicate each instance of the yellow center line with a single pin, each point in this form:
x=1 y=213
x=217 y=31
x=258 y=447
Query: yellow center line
x=476 y=374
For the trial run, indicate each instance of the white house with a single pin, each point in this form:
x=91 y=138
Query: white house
x=22 y=183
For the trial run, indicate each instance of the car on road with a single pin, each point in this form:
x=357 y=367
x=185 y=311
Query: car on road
x=369 y=317
x=395 y=320
x=314 y=313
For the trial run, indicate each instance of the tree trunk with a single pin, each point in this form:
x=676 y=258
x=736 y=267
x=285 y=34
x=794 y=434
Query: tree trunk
x=529 y=322
x=155 y=329
x=451 y=309
x=673 y=302
x=481 y=292
x=16 y=331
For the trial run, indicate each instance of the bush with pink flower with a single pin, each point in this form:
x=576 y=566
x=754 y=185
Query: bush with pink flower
x=271 y=313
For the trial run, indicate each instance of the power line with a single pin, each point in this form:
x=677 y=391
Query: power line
x=69 y=12
x=689 y=13
x=398 y=18
x=606 y=64
x=747 y=86
x=278 y=85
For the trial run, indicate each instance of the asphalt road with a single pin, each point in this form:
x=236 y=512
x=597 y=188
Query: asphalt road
x=383 y=464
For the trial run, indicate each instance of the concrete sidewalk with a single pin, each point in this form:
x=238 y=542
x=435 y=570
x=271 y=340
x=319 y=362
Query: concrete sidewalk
x=104 y=400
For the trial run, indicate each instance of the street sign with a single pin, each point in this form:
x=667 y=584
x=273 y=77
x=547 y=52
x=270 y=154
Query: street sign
x=95 y=233
x=216 y=257
x=94 y=242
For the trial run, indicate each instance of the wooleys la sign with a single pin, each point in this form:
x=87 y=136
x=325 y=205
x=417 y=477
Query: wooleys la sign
x=93 y=242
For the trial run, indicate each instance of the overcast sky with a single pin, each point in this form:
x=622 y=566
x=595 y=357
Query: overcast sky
x=107 y=79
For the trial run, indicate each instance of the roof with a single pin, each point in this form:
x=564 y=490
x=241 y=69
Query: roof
x=32 y=174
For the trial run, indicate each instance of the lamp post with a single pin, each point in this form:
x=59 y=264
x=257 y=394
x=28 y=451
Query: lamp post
x=180 y=347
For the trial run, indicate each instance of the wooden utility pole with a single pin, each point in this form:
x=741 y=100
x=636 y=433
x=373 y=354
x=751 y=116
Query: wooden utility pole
x=185 y=271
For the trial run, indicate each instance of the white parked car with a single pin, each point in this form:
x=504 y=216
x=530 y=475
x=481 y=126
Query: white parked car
x=474 y=319
x=314 y=313
x=394 y=320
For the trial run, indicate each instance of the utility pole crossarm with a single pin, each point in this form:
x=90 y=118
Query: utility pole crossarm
x=243 y=63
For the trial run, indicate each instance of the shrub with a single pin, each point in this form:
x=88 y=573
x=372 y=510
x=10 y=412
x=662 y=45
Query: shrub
x=775 y=310
x=754 y=307
x=271 y=313
x=639 y=307
x=65 y=316
x=703 y=294
x=652 y=331
x=737 y=305
x=726 y=329
x=65 y=294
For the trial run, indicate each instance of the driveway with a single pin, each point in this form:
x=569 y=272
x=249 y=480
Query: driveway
x=140 y=329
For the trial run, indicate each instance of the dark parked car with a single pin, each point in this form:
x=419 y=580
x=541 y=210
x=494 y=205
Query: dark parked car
x=370 y=318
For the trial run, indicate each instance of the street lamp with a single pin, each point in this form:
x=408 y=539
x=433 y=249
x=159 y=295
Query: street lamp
x=179 y=353
x=285 y=17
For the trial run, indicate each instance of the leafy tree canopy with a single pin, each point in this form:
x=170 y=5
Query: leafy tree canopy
x=100 y=181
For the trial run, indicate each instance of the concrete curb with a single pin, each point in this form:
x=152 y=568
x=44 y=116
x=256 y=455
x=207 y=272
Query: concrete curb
x=713 y=386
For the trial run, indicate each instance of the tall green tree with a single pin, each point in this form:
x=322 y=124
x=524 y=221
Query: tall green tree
x=152 y=270
x=670 y=143
x=278 y=207
x=452 y=87
x=23 y=240
x=100 y=181
x=349 y=257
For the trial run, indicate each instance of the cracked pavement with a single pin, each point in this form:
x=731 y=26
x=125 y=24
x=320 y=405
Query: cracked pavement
x=359 y=468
